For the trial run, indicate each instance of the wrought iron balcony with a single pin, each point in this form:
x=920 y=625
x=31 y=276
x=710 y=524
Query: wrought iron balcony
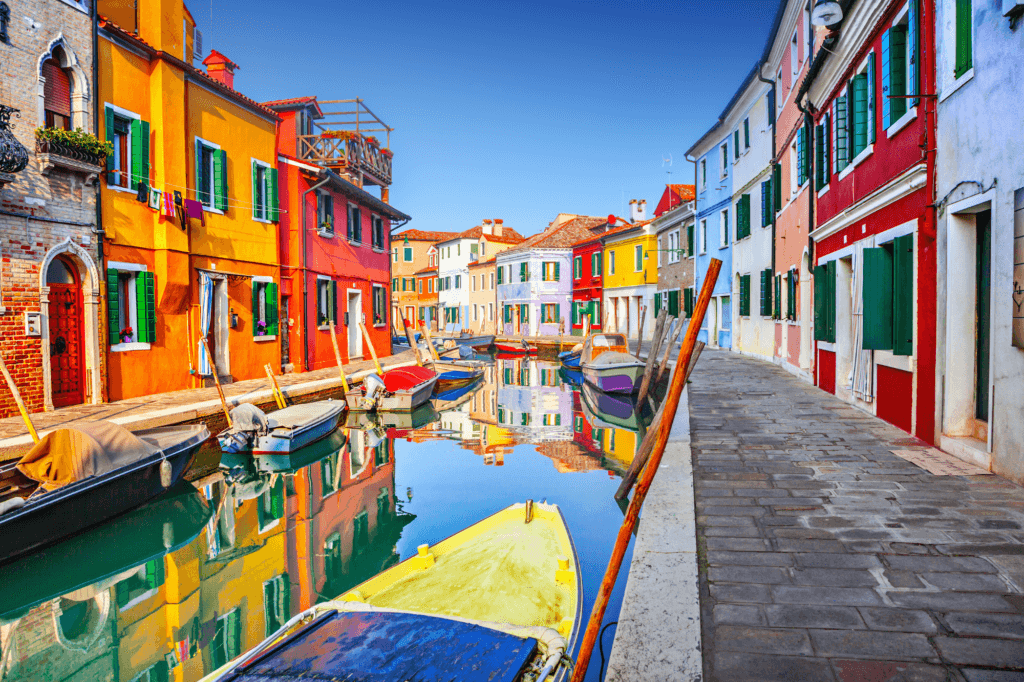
x=346 y=145
x=13 y=155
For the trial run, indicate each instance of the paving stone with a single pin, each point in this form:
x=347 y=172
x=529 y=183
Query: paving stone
x=975 y=675
x=834 y=577
x=737 y=544
x=888 y=671
x=789 y=545
x=732 y=532
x=803 y=616
x=743 y=667
x=994 y=653
x=737 y=614
x=762 y=640
x=897 y=620
x=734 y=592
x=921 y=564
x=903 y=579
x=1010 y=626
x=826 y=560
x=763 y=575
x=840 y=596
x=966 y=582
x=869 y=644
x=749 y=559
x=952 y=601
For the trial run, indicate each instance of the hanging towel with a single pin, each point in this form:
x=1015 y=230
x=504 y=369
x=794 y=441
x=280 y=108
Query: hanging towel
x=179 y=206
x=142 y=193
x=195 y=210
x=167 y=206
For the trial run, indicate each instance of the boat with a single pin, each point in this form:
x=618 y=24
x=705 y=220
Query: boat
x=608 y=366
x=447 y=365
x=573 y=377
x=499 y=600
x=81 y=476
x=399 y=389
x=286 y=462
x=570 y=359
x=285 y=430
x=456 y=378
x=98 y=558
x=481 y=342
x=402 y=340
x=614 y=410
x=520 y=347
x=393 y=421
x=445 y=401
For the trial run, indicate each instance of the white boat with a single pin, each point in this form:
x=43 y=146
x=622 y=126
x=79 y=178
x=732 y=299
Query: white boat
x=282 y=431
x=608 y=366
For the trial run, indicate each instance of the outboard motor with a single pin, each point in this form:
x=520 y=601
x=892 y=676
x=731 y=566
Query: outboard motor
x=374 y=391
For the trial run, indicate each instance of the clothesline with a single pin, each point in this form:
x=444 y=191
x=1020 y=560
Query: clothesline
x=232 y=202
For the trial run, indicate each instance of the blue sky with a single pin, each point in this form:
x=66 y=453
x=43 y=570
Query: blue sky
x=508 y=110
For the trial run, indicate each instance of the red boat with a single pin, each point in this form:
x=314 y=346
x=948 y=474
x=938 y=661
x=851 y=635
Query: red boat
x=520 y=348
x=399 y=389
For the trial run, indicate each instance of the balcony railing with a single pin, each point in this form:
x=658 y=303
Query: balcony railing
x=347 y=151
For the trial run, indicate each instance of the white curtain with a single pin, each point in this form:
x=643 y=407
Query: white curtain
x=205 y=314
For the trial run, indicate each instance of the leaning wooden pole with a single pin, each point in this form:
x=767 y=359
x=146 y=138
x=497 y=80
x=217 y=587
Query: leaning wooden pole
x=373 y=351
x=337 y=358
x=659 y=329
x=18 y=401
x=275 y=390
x=410 y=336
x=668 y=351
x=430 y=343
x=633 y=513
x=640 y=331
x=216 y=381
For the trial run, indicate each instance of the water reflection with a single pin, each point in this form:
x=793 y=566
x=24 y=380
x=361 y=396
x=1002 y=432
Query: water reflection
x=180 y=586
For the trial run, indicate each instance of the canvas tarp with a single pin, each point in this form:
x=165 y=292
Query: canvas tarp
x=65 y=456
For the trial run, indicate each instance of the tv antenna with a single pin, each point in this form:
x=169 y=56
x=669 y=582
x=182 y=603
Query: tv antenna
x=668 y=161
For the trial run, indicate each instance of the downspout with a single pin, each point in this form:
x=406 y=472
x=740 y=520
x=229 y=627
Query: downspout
x=98 y=229
x=771 y=168
x=305 y=270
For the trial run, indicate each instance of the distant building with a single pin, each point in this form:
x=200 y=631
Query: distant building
x=631 y=274
x=411 y=252
x=673 y=227
x=426 y=295
x=482 y=316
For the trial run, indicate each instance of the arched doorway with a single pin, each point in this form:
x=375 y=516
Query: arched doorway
x=66 y=321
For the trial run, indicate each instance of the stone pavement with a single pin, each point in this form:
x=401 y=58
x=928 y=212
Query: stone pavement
x=823 y=556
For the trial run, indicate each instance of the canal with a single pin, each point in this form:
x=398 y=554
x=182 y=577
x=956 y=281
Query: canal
x=176 y=588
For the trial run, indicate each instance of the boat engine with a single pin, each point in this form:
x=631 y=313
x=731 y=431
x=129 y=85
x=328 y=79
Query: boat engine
x=374 y=389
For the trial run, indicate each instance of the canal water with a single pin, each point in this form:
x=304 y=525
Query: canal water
x=176 y=588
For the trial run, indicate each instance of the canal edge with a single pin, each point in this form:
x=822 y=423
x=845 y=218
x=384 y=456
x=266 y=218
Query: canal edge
x=658 y=635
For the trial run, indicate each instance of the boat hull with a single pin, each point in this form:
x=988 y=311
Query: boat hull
x=456 y=379
x=570 y=360
x=514 y=349
x=404 y=400
x=484 y=341
x=73 y=508
x=276 y=442
x=614 y=378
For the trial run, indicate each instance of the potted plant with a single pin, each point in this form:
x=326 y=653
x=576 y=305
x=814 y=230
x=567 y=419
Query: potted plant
x=327 y=224
x=75 y=144
x=261 y=328
x=126 y=335
x=373 y=140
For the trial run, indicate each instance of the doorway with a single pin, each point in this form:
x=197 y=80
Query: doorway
x=67 y=351
x=355 y=316
x=983 y=297
x=220 y=329
x=285 y=331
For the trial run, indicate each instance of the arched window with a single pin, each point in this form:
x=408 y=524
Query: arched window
x=56 y=93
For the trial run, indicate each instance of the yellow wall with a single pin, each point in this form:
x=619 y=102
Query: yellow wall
x=626 y=274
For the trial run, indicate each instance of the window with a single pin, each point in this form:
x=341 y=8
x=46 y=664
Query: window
x=794 y=56
x=277 y=594
x=141 y=583
x=688 y=302
x=703 y=174
x=394 y=255
x=550 y=313
x=825 y=302
x=458 y=281
x=325 y=213
x=355 y=224
x=406 y=254
x=963 y=28
x=744 y=295
x=56 y=94
x=638 y=258
x=129 y=163
x=777 y=310
x=899 y=64
x=549 y=272
x=767 y=214
x=227 y=639
x=743 y=217
x=673 y=303
x=611 y=262
x=766 y=292
x=704 y=235
x=595 y=264
x=822 y=152
x=800 y=161
x=674 y=255
x=333 y=569
x=380 y=305
x=861 y=107
x=377 y=231
x=271 y=505
x=746 y=133
x=660 y=251
x=791 y=295
x=264 y=192
x=329 y=479
x=577 y=267
x=420 y=287
x=501 y=274
x=492 y=281
x=524 y=272
x=211 y=176
x=888 y=296
x=264 y=308
x=689 y=240
x=131 y=305
x=483 y=248
x=724 y=229
x=736 y=144
x=326 y=302
x=725 y=159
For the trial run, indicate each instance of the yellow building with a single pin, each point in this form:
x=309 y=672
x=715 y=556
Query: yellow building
x=184 y=140
x=630 y=277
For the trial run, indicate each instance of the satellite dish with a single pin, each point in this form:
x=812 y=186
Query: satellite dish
x=826 y=13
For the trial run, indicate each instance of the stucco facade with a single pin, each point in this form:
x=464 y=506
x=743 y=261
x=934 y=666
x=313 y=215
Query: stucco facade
x=673 y=229
x=587 y=284
x=483 y=297
x=454 y=258
x=411 y=251
x=630 y=279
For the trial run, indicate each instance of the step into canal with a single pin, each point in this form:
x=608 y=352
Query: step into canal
x=174 y=589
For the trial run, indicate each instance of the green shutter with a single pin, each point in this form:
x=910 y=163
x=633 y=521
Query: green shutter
x=524 y=272
x=766 y=195
x=272 y=319
x=109 y=124
x=820 y=297
x=743 y=211
x=145 y=313
x=819 y=152
x=897 y=71
x=272 y=198
x=903 y=296
x=913 y=55
x=255 y=292
x=558 y=313
x=657 y=304
x=830 y=314
x=113 y=308
x=673 y=303
x=765 y=294
x=859 y=86
x=689 y=239
x=220 y=178
x=333 y=304
x=557 y=271
x=801 y=153
x=842 y=141
x=744 y=295
x=319 y=302
x=877 y=299
x=746 y=133
x=140 y=154
x=886 y=86
x=256 y=207
x=736 y=144
x=777 y=187
x=688 y=301
x=869 y=74
x=201 y=196
x=778 y=297
x=964 y=26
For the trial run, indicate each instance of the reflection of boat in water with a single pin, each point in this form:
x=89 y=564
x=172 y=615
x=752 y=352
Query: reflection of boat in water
x=449 y=400
x=620 y=411
x=453 y=380
x=79 y=477
x=287 y=462
x=571 y=358
x=421 y=416
x=573 y=377
x=608 y=366
x=454 y=608
x=91 y=562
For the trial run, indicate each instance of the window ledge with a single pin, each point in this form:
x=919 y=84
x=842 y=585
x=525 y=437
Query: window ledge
x=327 y=327
x=902 y=122
x=123 y=347
x=211 y=209
x=957 y=84
x=119 y=188
x=377 y=249
x=827 y=345
x=793 y=323
x=823 y=191
x=865 y=153
x=272 y=524
x=265 y=337
x=324 y=233
x=148 y=594
x=263 y=220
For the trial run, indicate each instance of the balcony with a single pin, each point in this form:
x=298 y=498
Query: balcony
x=346 y=145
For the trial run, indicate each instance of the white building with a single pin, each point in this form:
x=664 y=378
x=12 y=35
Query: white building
x=454 y=257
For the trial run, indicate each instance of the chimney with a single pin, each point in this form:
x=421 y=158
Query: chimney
x=498 y=227
x=637 y=210
x=220 y=69
x=487 y=226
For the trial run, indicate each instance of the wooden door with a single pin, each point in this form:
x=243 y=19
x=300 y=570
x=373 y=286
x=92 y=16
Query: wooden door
x=67 y=348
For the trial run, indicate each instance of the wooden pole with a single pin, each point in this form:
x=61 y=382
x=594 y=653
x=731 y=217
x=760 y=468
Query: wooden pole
x=640 y=330
x=216 y=381
x=373 y=352
x=410 y=335
x=18 y=401
x=430 y=344
x=337 y=358
x=644 y=451
x=274 y=388
x=633 y=513
x=668 y=351
x=659 y=327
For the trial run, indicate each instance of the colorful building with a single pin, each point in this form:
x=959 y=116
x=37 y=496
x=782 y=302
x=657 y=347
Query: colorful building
x=534 y=280
x=631 y=275
x=587 y=278
x=455 y=256
x=426 y=295
x=52 y=318
x=874 y=235
x=482 y=315
x=673 y=229
x=335 y=237
x=188 y=207
x=411 y=252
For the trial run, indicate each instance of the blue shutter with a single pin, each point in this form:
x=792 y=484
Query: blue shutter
x=871 y=97
x=886 y=105
x=912 y=53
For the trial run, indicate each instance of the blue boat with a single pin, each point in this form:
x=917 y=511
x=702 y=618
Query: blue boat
x=570 y=359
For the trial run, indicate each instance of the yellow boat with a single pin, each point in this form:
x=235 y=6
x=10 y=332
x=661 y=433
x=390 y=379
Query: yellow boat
x=499 y=601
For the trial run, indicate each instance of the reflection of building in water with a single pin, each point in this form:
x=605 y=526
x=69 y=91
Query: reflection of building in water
x=532 y=402
x=583 y=432
x=274 y=545
x=568 y=457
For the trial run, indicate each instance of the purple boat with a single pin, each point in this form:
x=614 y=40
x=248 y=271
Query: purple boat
x=608 y=366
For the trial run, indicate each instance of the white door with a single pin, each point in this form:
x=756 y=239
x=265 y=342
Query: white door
x=712 y=316
x=355 y=316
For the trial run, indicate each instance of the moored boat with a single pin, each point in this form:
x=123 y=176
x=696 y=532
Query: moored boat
x=515 y=348
x=282 y=431
x=455 y=379
x=499 y=600
x=81 y=476
x=399 y=389
x=570 y=359
x=287 y=462
x=608 y=366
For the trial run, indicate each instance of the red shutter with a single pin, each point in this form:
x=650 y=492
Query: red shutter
x=57 y=90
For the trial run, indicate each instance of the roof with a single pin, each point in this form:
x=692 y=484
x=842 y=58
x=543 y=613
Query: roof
x=562 y=236
x=507 y=236
x=423 y=235
x=675 y=196
x=489 y=261
x=294 y=103
x=427 y=270
x=209 y=82
x=613 y=231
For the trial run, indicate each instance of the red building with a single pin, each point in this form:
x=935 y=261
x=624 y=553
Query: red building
x=587 y=289
x=874 y=234
x=334 y=237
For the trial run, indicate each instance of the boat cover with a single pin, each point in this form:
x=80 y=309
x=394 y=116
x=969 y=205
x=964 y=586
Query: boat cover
x=296 y=416
x=406 y=378
x=388 y=647
x=249 y=419
x=65 y=456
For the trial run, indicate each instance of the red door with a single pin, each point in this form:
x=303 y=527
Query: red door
x=67 y=375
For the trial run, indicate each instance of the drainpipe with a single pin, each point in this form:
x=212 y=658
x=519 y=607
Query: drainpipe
x=305 y=273
x=98 y=230
x=771 y=170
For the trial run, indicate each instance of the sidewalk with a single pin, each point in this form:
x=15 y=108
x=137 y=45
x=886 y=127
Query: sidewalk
x=162 y=409
x=824 y=556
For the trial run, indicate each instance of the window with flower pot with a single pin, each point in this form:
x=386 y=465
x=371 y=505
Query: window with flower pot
x=550 y=271
x=211 y=174
x=56 y=94
x=325 y=214
x=131 y=306
x=264 y=308
x=355 y=224
x=264 y=192
x=128 y=163
x=550 y=313
x=380 y=304
x=326 y=302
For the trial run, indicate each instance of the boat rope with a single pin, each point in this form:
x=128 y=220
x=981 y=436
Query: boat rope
x=600 y=641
